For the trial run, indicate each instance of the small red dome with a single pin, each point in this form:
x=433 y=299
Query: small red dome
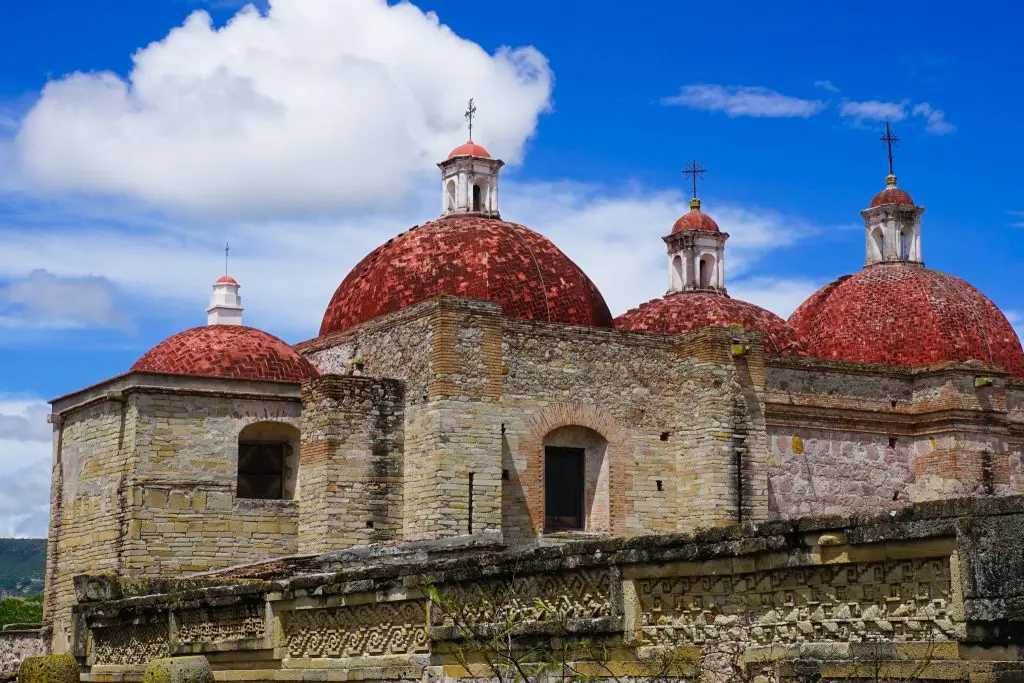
x=695 y=220
x=226 y=279
x=892 y=195
x=901 y=314
x=686 y=312
x=470 y=149
x=473 y=257
x=227 y=352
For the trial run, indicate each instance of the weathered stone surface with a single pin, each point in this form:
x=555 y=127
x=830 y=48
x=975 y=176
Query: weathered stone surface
x=179 y=670
x=49 y=669
x=17 y=644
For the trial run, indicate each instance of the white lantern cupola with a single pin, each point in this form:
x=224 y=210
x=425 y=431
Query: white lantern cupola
x=225 y=303
x=469 y=178
x=892 y=224
x=696 y=248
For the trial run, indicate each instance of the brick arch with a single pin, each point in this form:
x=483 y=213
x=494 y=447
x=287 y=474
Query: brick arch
x=573 y=414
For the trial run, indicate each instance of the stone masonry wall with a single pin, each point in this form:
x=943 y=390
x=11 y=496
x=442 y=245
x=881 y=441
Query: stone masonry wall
x=93 y=452
x=351 y=462
x=183 y=513
x=675 y=414
x=15 y=646
x=145 y=485
x=849 y=437
x=926 y=593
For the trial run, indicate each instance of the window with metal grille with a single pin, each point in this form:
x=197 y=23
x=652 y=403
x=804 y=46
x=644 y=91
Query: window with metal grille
x=261 y=469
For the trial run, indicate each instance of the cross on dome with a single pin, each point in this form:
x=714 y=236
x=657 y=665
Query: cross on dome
x=470 y=111
x=889 y=139
x=696 y=247
x=469 y=177
x=892 y=223
x=695 y=171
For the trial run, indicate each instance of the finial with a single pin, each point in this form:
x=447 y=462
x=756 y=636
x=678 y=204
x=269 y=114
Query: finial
x=890 y=180
x=470 y=111
x=694 y=170
x=227 y=250
x=889 y=139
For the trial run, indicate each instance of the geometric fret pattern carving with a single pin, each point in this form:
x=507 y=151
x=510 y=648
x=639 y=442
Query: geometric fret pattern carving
x=130 y=644
x=899 y=600
x=382 y=628
x=580 y=594
x=232 y=623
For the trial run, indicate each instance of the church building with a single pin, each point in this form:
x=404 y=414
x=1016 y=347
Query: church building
x=470 y=382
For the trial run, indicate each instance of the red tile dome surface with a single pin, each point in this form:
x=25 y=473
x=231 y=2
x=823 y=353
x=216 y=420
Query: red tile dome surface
x=469 y=149
x=473 y=257
x=902 y=314
x=226 y=279
x=227 y=352
x=689 y=311
x=892 y=195
x=695 y=219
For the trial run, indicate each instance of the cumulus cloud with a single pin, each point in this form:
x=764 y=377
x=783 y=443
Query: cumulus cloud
x=874 y=110
x=935 y=119
x=311 y=106
x=826 y=85
x=25 y=453
x=44 y=300
x=744 y=101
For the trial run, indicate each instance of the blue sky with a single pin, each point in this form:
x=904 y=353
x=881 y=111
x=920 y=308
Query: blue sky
x=305 y=134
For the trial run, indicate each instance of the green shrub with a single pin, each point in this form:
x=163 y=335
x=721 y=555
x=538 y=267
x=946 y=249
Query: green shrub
x=21 y=610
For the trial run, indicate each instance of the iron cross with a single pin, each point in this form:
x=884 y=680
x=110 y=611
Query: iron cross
x=227 y=249
x=694 y=170
x=470 y=111
x=889 y=139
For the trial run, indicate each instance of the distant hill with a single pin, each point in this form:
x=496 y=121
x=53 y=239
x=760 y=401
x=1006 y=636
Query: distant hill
x=22 y=565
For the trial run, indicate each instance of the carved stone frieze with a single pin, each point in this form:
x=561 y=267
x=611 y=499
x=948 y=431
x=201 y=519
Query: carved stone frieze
x=384 y=628
x=130 y=644
x=906 y=600
x=224 y=624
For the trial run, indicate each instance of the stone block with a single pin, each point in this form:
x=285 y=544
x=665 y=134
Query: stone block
x=49 y=669
x=179 y=670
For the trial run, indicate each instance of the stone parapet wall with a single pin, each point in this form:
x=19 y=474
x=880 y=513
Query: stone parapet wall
x=16 y=646
x=927 y=593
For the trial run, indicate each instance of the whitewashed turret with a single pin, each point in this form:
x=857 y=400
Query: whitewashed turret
x=225 y=303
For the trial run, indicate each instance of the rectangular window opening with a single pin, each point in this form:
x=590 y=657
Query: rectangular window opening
x=563 y=488
x=261 y=470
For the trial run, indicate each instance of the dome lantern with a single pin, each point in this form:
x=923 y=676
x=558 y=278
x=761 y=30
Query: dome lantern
x=469 y=178
x=696 y=248
x=892 y=224
x=225 y=303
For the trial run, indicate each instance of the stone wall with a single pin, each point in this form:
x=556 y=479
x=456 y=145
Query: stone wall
x=682 y=417
x=351 y=462
x=925 y=593
x=847 y=436
x=145 y=479
x=16 y=645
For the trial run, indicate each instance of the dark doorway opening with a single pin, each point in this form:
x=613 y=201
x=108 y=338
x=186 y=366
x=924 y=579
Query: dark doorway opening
x=476 y=198
x=261 y=470
x=563 y=488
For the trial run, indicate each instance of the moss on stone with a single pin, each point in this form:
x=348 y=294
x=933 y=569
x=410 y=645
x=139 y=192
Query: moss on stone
x=179 y=670
x=49 y=669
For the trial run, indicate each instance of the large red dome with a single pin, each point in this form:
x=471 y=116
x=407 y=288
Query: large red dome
x=474 y=257
x=686 y=312
x=227 y=352
x=903 y=314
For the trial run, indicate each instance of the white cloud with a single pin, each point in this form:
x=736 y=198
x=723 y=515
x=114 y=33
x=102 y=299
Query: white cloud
x=744 y=101
x=316 y=105
x=25 y=453
x=41 y=299
x=779 y=295
x=826 y=85
x=936 y=122
x=874 y=110
x=289 y=269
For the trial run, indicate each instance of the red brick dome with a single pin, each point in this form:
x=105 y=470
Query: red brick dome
x=474 y=257
x=892 y=195
x=226 y=280
x=227 y=352
x=695 y=219
x=902 y=314
x=685 y=312
x=469 y=149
